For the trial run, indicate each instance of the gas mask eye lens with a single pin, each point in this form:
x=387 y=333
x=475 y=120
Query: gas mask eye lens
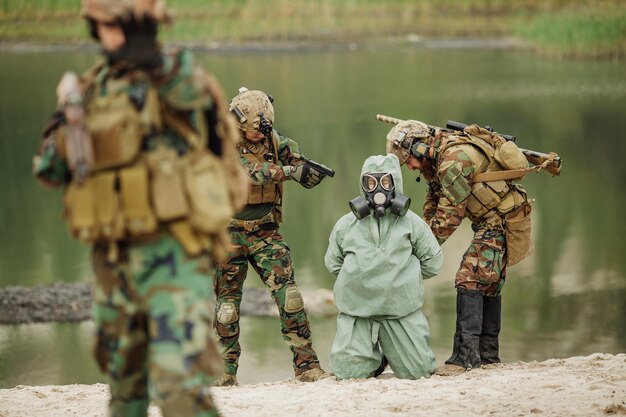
x=386 y=181
x=369 y=183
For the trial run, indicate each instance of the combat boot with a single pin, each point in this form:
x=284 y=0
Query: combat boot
x=489 y=345
x=383 y=365
x=226 y=380
x=457 y=333
x=470 y=321
x=312 y=375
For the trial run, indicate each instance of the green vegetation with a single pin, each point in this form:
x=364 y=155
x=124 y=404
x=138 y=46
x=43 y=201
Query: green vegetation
x=599 y=33
x=555 y=27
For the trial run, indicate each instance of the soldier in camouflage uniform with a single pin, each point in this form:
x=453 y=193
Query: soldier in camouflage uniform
x=449 y=161
x=152 y=304
x=270 y=159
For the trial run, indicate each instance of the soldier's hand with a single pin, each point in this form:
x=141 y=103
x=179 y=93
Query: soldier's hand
x=313 y=178
x=308 y=177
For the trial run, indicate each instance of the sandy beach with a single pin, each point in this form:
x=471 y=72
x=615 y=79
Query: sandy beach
x=593 y=385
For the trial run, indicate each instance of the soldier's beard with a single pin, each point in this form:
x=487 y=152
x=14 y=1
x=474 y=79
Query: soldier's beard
x=428 y=170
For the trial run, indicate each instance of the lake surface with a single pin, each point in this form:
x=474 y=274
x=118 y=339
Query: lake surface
x=568 y=299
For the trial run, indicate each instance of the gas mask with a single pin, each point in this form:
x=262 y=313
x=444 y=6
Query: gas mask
x=379 y=194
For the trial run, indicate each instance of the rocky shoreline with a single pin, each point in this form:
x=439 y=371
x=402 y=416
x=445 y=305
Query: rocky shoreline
x=71 y=302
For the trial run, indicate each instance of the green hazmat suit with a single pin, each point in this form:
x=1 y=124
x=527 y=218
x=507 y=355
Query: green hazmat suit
x=380 y=264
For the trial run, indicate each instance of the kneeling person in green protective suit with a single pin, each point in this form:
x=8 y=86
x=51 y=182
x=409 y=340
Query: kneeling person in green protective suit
x=380 y=261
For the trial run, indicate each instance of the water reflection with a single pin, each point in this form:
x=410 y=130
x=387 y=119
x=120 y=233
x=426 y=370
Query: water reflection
x=568 y=298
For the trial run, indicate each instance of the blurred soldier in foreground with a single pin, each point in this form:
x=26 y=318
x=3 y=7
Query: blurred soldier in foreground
x=144 y=148
x=470 y=174
x=270 y=159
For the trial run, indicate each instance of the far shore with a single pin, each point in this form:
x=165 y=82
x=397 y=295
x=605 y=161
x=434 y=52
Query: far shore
x=411 y=41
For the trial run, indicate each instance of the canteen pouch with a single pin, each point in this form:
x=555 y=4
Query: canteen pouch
x=167 y=190
x=116 y=130
x=205 y=182
x=80 y=210
x=519 y=244
x=138 y=216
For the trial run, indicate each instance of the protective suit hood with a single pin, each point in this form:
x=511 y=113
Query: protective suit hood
x=388 y=163
x=376 y=194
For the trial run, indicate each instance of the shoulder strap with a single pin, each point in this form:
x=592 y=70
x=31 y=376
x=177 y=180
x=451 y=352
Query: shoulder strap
x=511 y=174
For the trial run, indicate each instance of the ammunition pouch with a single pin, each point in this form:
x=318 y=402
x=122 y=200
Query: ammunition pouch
x=133 y=194
x=486 y=196
x=519 y=244
x=206 y=186
x=117 y=128
x=111 y=205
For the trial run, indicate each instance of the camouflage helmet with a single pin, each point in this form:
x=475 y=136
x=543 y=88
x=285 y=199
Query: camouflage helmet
x=250 y=107
x=402 y=136
x=113 y=10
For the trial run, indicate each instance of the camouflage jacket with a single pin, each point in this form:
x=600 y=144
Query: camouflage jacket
x=180 y=85
x=269 y=172
x=440 y=211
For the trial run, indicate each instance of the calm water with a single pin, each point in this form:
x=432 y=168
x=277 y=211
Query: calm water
x=568 y=299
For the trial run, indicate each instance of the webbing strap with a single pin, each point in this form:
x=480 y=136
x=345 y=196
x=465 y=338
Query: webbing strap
x=512 y=174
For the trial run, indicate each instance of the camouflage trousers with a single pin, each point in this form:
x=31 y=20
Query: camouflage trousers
x=269 y=255
x=154 y=333
x=483 y=267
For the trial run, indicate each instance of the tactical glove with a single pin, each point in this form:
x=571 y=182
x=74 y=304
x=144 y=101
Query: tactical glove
x=306 y=176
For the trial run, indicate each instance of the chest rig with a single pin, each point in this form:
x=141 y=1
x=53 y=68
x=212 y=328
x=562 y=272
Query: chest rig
x=488 y=200
x=150 y=171
x=265 y=151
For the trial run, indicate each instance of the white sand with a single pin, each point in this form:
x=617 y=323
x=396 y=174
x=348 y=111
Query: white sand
x=580 y=386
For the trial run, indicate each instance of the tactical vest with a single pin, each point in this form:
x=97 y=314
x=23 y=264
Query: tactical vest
x=494 y=202
x=134 y=194
x=260 y=153
x=487 y=201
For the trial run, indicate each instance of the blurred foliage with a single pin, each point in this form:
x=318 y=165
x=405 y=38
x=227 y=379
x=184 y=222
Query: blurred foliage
x=555 y=27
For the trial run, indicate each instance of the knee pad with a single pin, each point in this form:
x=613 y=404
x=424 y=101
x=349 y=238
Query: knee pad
x=227 y=313
x=293 y=300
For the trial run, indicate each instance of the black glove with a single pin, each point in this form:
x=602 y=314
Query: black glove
x=307 y=177
x=141 y=49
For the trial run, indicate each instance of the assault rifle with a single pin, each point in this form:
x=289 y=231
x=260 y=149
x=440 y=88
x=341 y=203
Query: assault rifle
x=534 y=157
x=79 y=148
x=328 y=172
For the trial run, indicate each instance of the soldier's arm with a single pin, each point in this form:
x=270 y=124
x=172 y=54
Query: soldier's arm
x=49 y=166
x=266 y=172
x=289 y=152
x=288 y=156
x=426 y=248
x=334 y=254
x=454 y=175
x=447 y=219
x=431 y=202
